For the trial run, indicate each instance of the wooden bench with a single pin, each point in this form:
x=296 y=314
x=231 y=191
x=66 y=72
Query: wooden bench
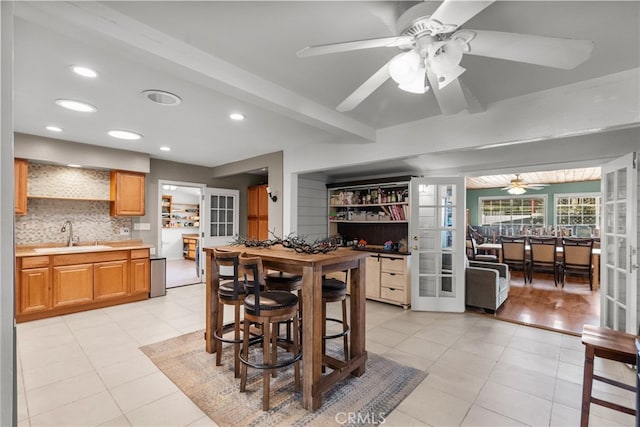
x=607 y=344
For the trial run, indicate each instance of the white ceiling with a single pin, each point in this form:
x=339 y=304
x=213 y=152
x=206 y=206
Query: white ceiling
x=538 y=177
x=240 y=56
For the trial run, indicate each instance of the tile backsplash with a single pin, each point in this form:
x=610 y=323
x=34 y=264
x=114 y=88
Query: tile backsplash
x=90 y=219
x=61 y=188
x=65 y=182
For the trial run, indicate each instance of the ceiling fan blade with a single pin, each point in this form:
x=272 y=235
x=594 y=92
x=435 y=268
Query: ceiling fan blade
x=536 y=186
x=324 y=49
x=547 y=51
x=454 y=13
x=365 y=89
x=451 y=98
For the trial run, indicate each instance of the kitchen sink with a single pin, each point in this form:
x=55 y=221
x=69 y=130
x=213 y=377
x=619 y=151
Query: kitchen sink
x=88 y=248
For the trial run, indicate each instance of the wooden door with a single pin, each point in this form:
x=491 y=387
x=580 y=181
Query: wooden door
x=34 y=293
x=127 y=193
x=257 y=212
x=20 y=172
x=72 y=285
x=110 y=280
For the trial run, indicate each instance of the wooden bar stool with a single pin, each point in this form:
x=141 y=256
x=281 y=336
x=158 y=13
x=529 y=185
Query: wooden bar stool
x=281 y=281
x=607 y=344
x=334 y=290
x=268 y=308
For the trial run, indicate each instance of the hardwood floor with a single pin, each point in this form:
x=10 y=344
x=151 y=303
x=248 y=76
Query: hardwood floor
x=544 y=305
x=181 y=272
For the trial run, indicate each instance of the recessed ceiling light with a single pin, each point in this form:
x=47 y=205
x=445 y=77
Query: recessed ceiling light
x=124 y=134
x=53 y=128
x=70 y=104
x=236 y=116
x=73 y=165
x=162 y=97
x=84 y=71
x=165 y=148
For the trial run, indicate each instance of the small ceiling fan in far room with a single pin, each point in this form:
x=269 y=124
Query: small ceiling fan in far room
x=518 y=186
x=433 y=45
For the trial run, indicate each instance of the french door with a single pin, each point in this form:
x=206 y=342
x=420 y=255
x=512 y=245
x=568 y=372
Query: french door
x=219 y=217
x=619 y=245
x=437 y=233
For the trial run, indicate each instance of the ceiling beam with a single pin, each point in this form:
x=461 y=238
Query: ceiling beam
x=219 y=75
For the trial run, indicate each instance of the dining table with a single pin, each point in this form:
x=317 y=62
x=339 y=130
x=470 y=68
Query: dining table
x=312 y=267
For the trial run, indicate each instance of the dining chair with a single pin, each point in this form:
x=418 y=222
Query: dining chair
x=543 y=257
x=269 y=309
x=576 y=258
x=514 y=254
x=473 y=254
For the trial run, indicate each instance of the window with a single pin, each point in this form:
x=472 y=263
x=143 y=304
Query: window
x=221 y=220
x=512 y=215
x=580 y=213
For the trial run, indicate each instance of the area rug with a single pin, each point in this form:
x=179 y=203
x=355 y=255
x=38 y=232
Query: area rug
x=364 y=400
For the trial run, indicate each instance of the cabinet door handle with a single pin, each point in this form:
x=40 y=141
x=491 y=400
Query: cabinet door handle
x=392 y=274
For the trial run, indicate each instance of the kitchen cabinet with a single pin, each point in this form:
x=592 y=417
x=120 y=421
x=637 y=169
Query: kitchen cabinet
x=140 y=271
x=51 y=285
x=110 y=279
x=20 y=172
x=372 y=277
x=257 y=212
x=35 y=293
x=189 y=246
x=72 y=285
x=126 y=193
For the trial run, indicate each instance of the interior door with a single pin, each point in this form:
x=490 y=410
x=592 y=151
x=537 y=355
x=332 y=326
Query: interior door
x=437 y=230
x=219 y=214
x=619 y=244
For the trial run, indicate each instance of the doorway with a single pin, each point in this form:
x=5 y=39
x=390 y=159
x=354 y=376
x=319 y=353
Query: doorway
x=179 y=231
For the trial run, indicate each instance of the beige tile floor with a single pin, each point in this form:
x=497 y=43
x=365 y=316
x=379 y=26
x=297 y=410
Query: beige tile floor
x=85 y=369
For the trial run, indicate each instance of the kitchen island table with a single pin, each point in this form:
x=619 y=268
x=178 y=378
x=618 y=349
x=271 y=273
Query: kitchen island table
x=312 y=267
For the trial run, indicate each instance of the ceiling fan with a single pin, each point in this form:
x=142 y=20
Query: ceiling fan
x=433 y=44
x=518 y=186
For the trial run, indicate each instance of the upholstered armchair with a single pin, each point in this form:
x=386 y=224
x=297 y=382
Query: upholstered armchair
x=487 y=285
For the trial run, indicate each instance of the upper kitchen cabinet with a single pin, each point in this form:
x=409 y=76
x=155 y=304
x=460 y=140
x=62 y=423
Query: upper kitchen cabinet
x=20 y=171
x=127 y=193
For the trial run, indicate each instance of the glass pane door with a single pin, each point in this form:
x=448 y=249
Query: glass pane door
x=437 y=244
x=619 y=239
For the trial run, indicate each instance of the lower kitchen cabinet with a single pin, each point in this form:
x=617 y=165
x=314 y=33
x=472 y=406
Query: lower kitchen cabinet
x=51 y=285
x=140 y=275
x=35 y=292
x=110 y=279
x=72 y=285
x=386 y=279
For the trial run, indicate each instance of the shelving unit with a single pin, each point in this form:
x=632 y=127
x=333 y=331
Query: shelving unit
x=185 y=215
x=166 y=211
x=176 y=215
x=377 y=212
x=358 y=211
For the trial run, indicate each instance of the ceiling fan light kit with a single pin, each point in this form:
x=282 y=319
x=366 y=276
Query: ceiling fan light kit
x=433 y=46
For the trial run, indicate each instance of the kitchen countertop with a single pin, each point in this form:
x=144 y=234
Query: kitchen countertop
x=46 y=249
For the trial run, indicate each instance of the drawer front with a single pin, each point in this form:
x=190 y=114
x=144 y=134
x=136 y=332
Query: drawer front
x=396 y=295
x=139 y=253
x=393 y=280
x=90 y=257
x=35 y=261
x=393 y=265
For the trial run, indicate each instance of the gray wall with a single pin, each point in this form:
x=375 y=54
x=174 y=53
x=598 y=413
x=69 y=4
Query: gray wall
x=8 y=413
x=181 y=172
x=312 y=209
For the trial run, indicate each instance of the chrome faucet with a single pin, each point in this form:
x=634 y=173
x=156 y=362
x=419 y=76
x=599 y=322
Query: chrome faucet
x=64 y=228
